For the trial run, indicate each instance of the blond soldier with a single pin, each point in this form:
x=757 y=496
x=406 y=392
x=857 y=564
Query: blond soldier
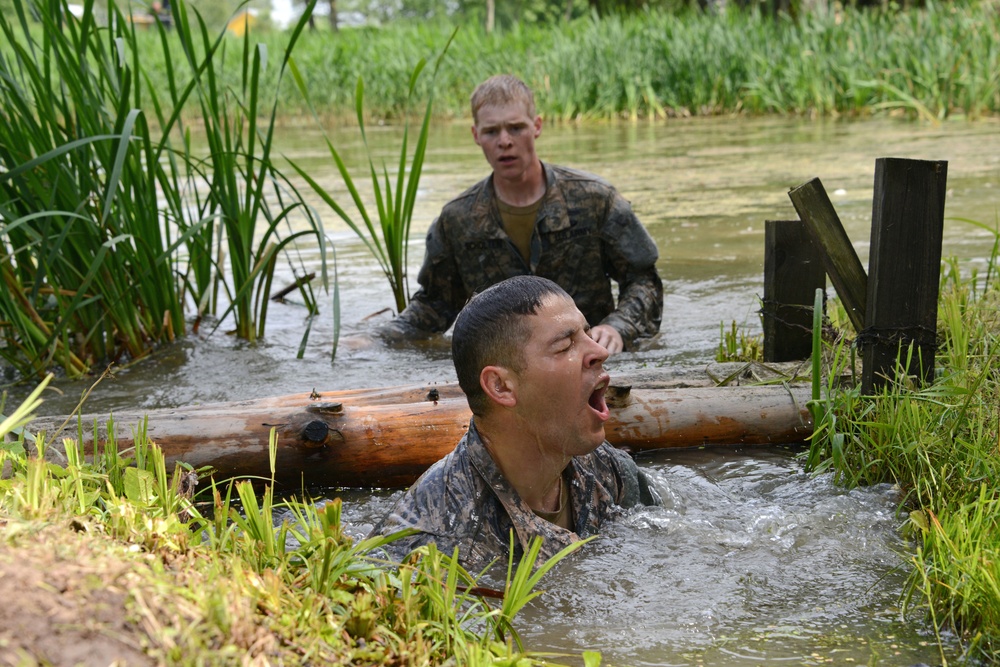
x=533 y=218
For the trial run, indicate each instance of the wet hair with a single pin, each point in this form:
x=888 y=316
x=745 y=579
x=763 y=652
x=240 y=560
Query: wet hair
x=501 y=89
x=492 y=331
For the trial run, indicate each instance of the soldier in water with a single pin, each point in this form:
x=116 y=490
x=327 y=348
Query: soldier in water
x=532 y=218
x=534 y=460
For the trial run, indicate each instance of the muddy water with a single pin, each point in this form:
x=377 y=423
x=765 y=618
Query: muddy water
x=750 y=561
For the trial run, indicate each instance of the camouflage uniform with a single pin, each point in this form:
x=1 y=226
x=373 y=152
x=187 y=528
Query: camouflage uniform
x=585 y=234
x=464 y=501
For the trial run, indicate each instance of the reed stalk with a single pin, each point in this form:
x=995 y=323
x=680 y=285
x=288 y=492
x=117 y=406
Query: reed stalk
x=109 y=216
x=390 y=242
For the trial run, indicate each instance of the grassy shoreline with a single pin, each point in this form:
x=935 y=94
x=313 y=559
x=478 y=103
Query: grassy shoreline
x=657 y=65
x=941 y=445
x=116 y=559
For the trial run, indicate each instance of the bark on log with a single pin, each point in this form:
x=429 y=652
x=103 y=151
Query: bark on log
x=388 y=437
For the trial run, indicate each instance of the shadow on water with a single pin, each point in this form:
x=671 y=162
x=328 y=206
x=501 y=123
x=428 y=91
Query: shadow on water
x=751 y=561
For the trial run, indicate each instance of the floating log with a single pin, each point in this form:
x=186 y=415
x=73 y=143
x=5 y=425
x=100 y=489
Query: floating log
x=387 y=437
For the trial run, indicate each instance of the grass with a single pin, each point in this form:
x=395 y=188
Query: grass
x=656 y=64
x=941 y=445
x=114 y=229
x=208 y=578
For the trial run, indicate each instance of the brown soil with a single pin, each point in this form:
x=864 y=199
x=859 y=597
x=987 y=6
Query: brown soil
x=63 y=598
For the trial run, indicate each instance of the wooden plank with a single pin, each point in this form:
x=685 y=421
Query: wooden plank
x=904 y=269
x=348 y=439
x=793 y=270
x=839 y=258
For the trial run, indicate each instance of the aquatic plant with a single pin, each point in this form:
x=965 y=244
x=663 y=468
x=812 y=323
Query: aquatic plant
x=245 y=188
x=105 y=224
x=738 y=344
x=390 y=243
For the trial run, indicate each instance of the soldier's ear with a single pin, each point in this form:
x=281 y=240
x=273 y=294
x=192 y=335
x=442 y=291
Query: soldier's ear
x=498 y=383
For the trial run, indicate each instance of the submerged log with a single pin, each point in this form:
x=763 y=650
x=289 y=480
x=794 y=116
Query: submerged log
x=387 y=437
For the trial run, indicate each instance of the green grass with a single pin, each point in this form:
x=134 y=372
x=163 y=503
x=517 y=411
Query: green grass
x=655 y=64
x=941 y=445
x=114 y=230
x=210 y=576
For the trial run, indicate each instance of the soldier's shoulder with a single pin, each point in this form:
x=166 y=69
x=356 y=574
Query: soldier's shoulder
x=452 y=473
x=580 y=177
x=466 y=199
x=609 y=456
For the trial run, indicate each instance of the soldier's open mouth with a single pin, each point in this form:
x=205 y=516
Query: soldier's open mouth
x=597 y=402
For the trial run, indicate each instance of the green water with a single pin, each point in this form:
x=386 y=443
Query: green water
x=750 y=562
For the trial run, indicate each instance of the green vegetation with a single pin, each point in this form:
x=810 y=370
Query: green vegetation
x=209 y=579
x=655 y=64
x=109 y=216
x=941 y=445
x=390 y=244
x=738 y=344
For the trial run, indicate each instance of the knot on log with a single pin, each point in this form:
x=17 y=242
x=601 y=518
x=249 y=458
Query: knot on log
x=316 y=432
x=325 y=408
x=618 y=397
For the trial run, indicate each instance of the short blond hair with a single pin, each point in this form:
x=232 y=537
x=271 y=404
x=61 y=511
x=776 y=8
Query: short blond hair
x=501 y=89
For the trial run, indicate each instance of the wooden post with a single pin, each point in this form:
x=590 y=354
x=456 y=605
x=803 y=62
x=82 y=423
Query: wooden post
x=793 y=270
x=841 y=262
x=904 y=270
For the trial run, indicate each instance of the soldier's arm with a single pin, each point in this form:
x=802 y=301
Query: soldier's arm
x=630 y=257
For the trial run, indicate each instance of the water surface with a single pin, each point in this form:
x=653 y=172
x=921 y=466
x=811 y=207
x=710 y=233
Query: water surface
x=750 y=561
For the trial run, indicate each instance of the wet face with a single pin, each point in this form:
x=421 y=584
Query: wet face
x=561 y=386
x=507 y=134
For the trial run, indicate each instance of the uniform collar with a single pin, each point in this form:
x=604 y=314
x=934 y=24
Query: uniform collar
x=552 y=214
x=526 y=523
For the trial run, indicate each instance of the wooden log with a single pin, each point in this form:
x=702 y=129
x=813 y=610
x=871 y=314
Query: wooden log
x=388 y=437
x=839 y=258
x=904 y=270
x=793 y=271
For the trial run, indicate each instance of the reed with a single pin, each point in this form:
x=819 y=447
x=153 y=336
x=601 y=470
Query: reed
x=390 y=243
x=83 y=277
x=109 y=216
x=940 y=445
x=208 y=577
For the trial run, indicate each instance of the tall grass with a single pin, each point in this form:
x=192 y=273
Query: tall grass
x=390 y=243
x=828 y=61
x=210 y=578
x=109 y=217
x=941 y=445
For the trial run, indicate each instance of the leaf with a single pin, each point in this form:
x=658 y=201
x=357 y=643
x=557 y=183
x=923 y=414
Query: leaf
x=139 y=485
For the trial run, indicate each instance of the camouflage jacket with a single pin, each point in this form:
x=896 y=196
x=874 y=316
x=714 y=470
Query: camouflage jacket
x=585 y=236
x=464 y=501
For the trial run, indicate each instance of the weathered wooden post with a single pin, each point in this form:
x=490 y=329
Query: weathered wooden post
x=904 y=270
x=793 y=270
x=842 y=264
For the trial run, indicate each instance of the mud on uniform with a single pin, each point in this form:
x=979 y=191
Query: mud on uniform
x=464 y=501
x=585 y=236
